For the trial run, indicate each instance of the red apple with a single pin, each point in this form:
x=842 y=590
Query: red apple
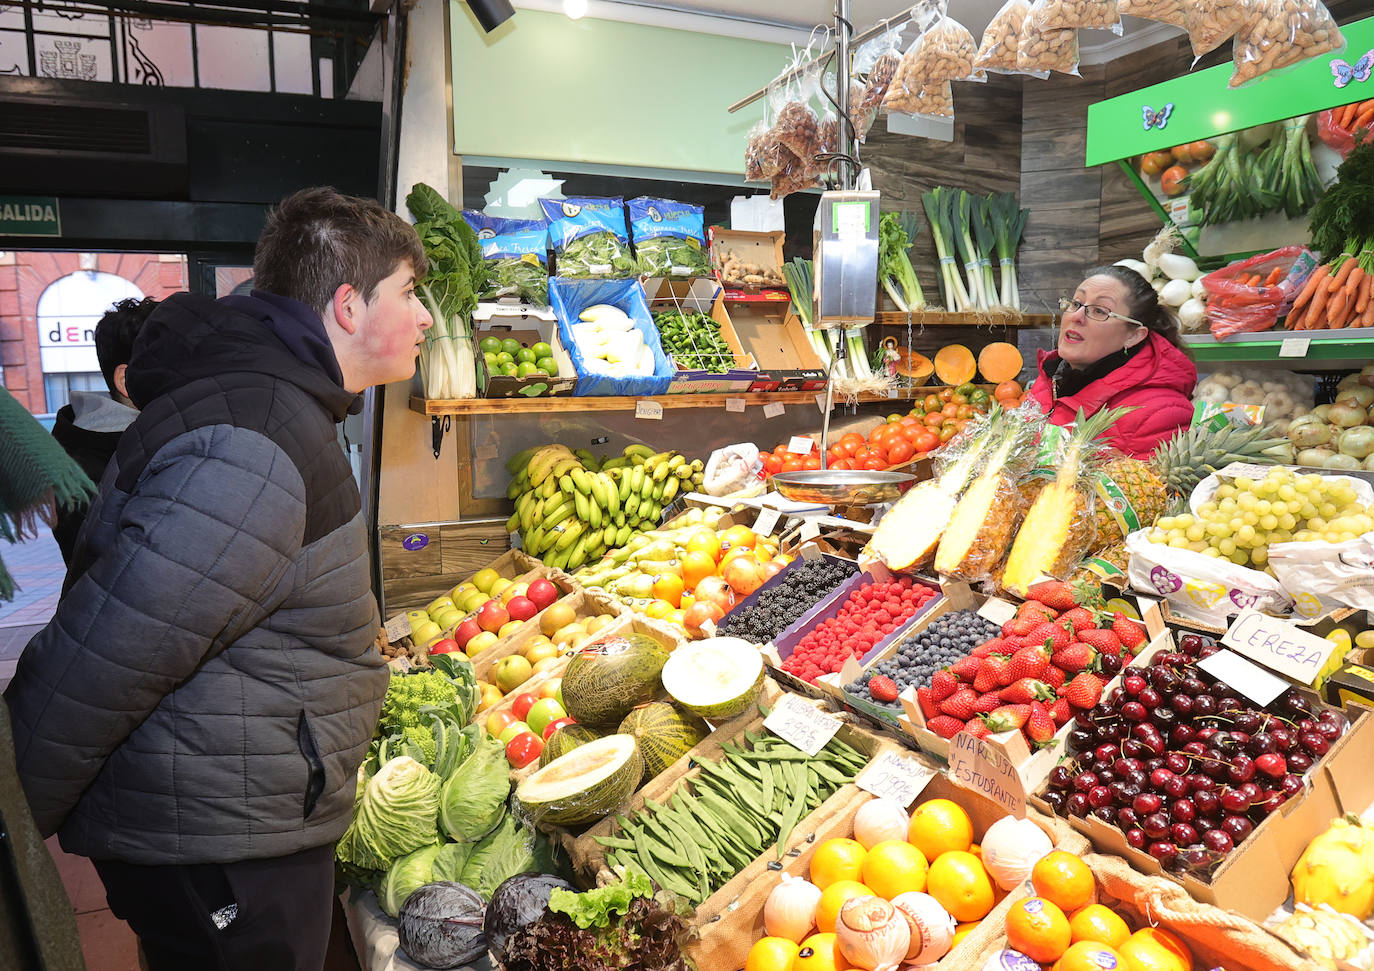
x=521 y=608
x=556 y=724
x=523 y=749
x=446 y=646
x=492 y=616
x=498 y=721
x=541 y=593
x=522 y=703
x=466 y=631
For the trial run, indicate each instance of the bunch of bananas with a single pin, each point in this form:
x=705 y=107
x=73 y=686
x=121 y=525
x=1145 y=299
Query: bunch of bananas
x=571 y=507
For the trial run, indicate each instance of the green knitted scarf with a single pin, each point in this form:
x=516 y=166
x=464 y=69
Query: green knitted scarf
x=36 y=479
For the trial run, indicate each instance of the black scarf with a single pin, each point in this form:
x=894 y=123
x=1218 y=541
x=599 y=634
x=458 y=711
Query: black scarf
x=1068 y=380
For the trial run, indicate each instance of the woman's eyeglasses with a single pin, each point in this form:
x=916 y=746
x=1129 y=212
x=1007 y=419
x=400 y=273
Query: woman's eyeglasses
x=1094 y=312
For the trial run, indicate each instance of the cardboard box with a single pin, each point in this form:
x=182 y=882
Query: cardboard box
x=764 y=249
x=707 y=297
x=511 y=565
x=528 y=325
x=778 y=343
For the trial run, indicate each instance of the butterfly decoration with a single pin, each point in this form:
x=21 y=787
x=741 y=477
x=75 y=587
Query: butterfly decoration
x=1156 y=119
x=1343 y=73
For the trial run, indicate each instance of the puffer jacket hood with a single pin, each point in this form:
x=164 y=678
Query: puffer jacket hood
x=1157 y=382
x=189 y=337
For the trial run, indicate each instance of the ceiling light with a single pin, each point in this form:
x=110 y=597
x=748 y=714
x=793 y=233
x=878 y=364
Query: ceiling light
x=575 y=9
x=491 y=13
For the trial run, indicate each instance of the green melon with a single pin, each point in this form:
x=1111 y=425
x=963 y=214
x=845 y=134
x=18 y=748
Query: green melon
x=564 y=740
x=610 y=676
x=716 y=678
x=664 y=734
x=589 y=782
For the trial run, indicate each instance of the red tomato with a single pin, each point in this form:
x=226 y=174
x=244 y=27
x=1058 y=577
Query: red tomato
x=853 y=437
x=950 y=410
x=873 y=464
x=927 y=441
x=792 y=463
x=771 y=463
x=900 y=452
x=934 y=419
x=833 y=454
x=1172 y=180
x=781 y=451
x=811 y=463
x=842 y=464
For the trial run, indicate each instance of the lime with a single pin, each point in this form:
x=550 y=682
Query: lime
x=525 y=355
x=505 y=358
x=511 y=368
x=490 y=358
x=525 y=368
x=511 y=346
x=548 y=365
x=542 y=349
x=490 y=345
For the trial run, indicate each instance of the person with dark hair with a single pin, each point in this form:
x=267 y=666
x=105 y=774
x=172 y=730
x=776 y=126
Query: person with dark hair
x=194 y=716
x=89 y=427
x=1119 y=347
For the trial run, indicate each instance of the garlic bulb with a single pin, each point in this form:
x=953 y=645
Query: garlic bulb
x=1011 y=848
x=881 y=819
x=790 y=910
x=931 y=926
x=871 y=934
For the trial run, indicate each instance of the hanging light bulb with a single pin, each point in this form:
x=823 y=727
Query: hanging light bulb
x=575 y=9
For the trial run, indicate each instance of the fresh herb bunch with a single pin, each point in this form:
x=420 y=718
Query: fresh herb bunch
x=596 y=255
x=515 y=276
x=672 y=256
x=896 y=231
x=693 y=340
x=1346 y=212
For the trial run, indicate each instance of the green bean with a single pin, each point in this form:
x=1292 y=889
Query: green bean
x=767 y=771
x=792 y=816
x=615 y=842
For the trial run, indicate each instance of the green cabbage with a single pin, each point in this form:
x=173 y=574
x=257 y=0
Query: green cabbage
x=448 y=865
x=474 y=796
x=396 y=814
x=407 y=874
x=506 y=851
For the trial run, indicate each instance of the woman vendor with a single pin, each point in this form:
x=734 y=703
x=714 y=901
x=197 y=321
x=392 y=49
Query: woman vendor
x=1119 y=347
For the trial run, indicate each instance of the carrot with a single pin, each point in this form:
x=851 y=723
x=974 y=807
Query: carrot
x=1368 y=319
x=1362 y=299
x=1338 y=280
x=1275 y=275
x=1310 y=287
x=1314 y=312
x=1363 y=120
x=1335 y=309
x=1348 y=115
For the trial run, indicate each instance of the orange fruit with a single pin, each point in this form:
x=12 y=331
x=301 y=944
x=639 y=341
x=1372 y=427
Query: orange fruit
x=1098 y=923
x=697 y=565
x=939 y=826
x=772 y=954
x=1038 y=929
x=833 y=898
x=669 y=587
x=837 y=859
x=738 y=535
x=892 y=867
x=819 y=952
x=957 y=879
x=704 y=540
x=1064 y=880
x=1155 y=949
x=1089 y=956
x=963 y=931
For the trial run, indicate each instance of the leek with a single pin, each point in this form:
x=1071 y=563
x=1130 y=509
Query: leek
x=936 y=203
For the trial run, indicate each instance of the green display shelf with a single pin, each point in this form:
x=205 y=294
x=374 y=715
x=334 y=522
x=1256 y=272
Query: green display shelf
x=1298 y=349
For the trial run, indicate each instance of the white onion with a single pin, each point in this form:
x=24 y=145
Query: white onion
x=871 y=934
x=931 y=926
x=1177 y=267
x=1199 y=290
x=1176 y=293
x=1192 y=315
x=881 y=819
x=1011 y=848
x=1142 y=268
x=790 y=910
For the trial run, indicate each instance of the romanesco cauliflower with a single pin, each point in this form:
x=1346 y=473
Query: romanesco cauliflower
x=406 y=695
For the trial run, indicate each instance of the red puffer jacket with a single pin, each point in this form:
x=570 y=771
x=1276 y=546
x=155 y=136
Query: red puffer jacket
x=1157 y=382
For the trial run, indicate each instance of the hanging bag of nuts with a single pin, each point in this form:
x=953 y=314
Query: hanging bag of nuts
x=1211 y=23
x=797 y=130
x=1280 y=33
x=942 y=53
x=1162 y=11
x=1042 y=51
x=1001 y=39
x=1076 y=15
x=876 y=60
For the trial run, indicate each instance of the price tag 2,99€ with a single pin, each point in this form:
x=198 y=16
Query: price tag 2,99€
x=804 y=725
x=895 y=776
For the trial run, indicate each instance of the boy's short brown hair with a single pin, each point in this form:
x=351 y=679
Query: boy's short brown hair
x=317 y=239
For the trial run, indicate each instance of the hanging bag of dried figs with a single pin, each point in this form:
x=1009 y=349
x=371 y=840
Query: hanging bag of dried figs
x=876 y=61
x=1280 y=33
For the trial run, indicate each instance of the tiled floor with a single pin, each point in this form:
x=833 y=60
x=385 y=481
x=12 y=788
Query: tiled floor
x=38 y=571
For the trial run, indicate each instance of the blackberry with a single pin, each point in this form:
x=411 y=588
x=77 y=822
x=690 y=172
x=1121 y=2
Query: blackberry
x=775 y=609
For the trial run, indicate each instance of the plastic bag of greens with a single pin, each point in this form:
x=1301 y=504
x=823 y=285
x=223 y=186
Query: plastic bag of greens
x=589 y=237
x=486 y=225
x=669 y=237
x=516 y=267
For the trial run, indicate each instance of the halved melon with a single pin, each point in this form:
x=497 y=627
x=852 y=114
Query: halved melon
x=590 y=781
x=716 y=678
x=1000 y=361
x=954 y=364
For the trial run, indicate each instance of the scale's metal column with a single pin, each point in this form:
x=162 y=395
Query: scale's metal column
x=846 y=181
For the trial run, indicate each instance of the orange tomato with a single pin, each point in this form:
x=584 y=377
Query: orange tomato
x=932 y=403
x=833 y=454
x=843 y=464
x=771 y=463
x=1172 y=180
x=1007 y=389
x=950 y=410
x=792 y=463
x=934 y=419
x=853 y=438
x=874 y=464
x=946 y=395
x=669 y=587
x=811 y=463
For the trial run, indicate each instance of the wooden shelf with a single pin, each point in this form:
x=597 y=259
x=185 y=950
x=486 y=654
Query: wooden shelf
x=944 y=318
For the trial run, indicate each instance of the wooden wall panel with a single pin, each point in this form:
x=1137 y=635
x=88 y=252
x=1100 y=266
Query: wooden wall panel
x=452 y=552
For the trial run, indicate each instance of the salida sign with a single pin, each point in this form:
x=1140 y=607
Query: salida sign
x=30 y=216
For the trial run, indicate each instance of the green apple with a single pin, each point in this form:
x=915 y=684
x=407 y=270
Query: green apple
x=428 y=631
x=541 y=713
x=479 y=643
x=512 y=730
x=439 y=603
x=448 y=619
x=511 y=672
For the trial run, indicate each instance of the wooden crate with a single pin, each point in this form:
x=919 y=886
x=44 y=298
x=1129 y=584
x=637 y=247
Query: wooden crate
x=419 y=562
x=585 y=603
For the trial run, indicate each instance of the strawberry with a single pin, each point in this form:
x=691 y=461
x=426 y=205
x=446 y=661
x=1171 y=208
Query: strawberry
x=1027 y=620
x=1078 y=656
x=960 y=705
x=977 y=729
x=994 y=646
x=1061 y=711
x=1133 y=636
x=1053 y=593
x=943 y=684
x=987 y=701
x=1084 y=691
x=1000 y=666
x=986 y=678
x=1025 y=691
x=1007 y=717
x=1079 y=618
x=1106 y=642
x=1040 y=726
x=945 y=726
x=966 y=669
x=1051 y=635
x=1029 y=662
x=929 y=706
x=882 y=688
x=1009 y=628
x=1054 y=677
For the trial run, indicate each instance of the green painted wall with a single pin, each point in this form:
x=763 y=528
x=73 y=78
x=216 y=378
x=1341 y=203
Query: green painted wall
x=545 y=87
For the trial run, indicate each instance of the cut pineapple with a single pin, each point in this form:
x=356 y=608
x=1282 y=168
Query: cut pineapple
x=981 y=527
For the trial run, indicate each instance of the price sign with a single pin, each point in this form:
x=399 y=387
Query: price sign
x=895 y=776
x=644 y=408
x=735 y=405
x=810 y=529
x=997 y=611
x=773 y=409
x=893 y=393
x=487 y=451
x=1251 y=680
x=396 y=628
x=401 y=663
x=768 y=519
x=820 y=401
x=1283 y=647
x=1294 y=346
x=976 y=764
x=804 y=725
x=800 y=445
